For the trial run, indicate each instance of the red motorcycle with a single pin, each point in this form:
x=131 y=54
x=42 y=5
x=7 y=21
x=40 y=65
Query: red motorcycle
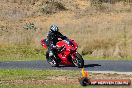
x=68 y=54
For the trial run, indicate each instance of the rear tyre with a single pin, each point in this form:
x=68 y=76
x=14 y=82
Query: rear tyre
x=52 y=61
x=78 y=61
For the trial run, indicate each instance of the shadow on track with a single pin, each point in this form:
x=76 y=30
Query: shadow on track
x=61 y=66
x=85 y=66
x=91 y=65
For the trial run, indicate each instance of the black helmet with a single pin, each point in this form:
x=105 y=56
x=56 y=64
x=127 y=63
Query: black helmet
x=54 y=28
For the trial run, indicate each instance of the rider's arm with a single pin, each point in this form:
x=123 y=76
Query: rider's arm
x=61 y=36
x=51 y=41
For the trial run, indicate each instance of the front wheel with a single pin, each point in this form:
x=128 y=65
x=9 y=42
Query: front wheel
x=78 y=61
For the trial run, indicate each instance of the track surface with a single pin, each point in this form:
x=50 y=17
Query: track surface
x=94 y=65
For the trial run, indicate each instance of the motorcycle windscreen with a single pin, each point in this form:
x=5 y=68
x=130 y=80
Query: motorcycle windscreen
x=44 y=43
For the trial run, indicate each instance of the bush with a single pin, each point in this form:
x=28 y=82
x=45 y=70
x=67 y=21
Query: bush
x=97 y=5
x=30 y=26
x=51 y=7
x=111 y=1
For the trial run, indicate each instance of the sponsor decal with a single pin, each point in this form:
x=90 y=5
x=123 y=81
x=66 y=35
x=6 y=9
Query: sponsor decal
x=85 y=80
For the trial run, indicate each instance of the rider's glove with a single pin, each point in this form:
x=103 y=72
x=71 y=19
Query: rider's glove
x=60 y=49
x=53 y=46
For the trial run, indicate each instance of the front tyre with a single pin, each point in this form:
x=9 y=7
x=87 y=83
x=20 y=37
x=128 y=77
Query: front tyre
x=78 y=61
x=52 y=61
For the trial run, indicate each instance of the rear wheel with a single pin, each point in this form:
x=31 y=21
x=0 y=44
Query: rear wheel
x=78 y=61
x=52 y=61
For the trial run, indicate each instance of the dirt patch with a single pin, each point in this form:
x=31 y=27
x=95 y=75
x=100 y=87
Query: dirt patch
x=63 y=80
x=110 y=76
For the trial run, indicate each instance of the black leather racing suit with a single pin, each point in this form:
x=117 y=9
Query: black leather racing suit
x=52 y=40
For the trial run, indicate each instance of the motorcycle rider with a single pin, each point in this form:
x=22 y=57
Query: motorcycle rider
x=52 y=39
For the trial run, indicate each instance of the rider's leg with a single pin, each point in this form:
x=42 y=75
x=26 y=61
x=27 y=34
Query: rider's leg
x=53 y=54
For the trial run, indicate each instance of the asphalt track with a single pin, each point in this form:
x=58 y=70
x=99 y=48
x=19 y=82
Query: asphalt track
x=92 y=65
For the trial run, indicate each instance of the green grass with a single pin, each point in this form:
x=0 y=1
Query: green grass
x=88 y=57
x=27 y=53
x=21 y=53
x=27 y=74
x=42 y=57
x=15 y=74
x=22 y=58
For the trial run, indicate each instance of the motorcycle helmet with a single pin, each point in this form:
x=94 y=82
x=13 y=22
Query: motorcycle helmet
x=54 y=28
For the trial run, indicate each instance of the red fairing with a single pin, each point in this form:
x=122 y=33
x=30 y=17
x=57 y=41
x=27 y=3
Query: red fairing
x=43 y=43
x=64 y=54
x=73 y=55
x=68 y=48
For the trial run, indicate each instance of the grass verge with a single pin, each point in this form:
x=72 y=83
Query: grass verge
x=88 y=57
x=27 y=53
x=26 y=78
x=42 y=57
x=16 y=74
x=21 y=53
x=58 y=86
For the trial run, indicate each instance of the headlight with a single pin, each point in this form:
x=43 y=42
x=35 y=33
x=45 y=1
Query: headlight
x=67 y=42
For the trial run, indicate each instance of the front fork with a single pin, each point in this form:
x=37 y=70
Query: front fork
x=73 y=55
